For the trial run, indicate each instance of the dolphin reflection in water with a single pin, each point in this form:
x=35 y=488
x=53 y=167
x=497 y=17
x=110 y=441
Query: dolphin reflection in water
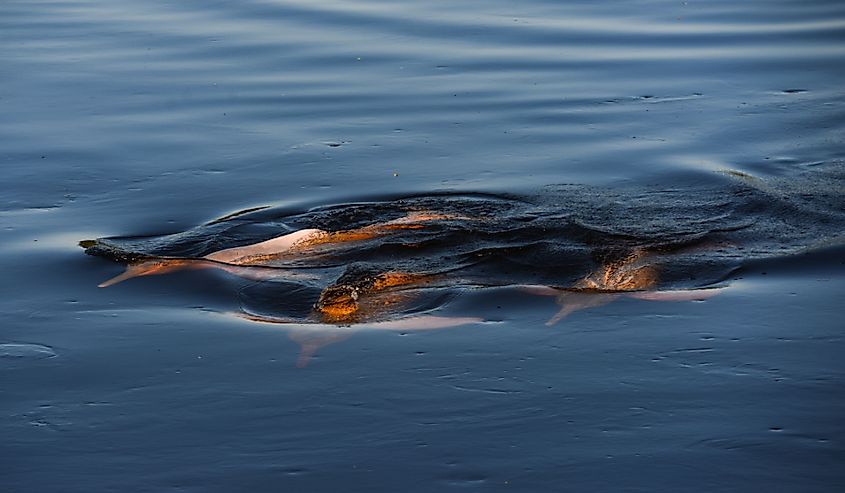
x=375 y=299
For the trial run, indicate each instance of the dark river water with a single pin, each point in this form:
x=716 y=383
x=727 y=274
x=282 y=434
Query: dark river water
x=633 y=244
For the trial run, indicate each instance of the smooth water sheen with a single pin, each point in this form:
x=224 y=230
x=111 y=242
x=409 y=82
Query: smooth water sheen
x=579 y=127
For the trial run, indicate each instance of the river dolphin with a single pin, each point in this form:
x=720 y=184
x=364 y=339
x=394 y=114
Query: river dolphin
x=373 y=300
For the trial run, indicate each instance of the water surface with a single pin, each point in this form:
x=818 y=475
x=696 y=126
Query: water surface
x=127 y=119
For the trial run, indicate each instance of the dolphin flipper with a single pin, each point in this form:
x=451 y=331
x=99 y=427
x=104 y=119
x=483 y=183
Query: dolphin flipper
x=677 y=295
x=149 y=268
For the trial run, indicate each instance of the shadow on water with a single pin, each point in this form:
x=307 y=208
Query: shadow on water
x=395 y=262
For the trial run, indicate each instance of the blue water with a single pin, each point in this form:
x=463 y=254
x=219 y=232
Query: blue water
x=122 y=118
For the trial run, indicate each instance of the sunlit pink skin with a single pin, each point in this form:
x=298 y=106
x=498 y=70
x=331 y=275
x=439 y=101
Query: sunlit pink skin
x=273 y=246
x=307 y=237
x=312 y=336
x=245 y=261
x=166 y=266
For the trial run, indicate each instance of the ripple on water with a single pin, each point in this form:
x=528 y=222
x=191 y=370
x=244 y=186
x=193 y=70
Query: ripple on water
x=24 y=351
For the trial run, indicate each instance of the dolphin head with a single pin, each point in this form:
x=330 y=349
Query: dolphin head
x=338 y=303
